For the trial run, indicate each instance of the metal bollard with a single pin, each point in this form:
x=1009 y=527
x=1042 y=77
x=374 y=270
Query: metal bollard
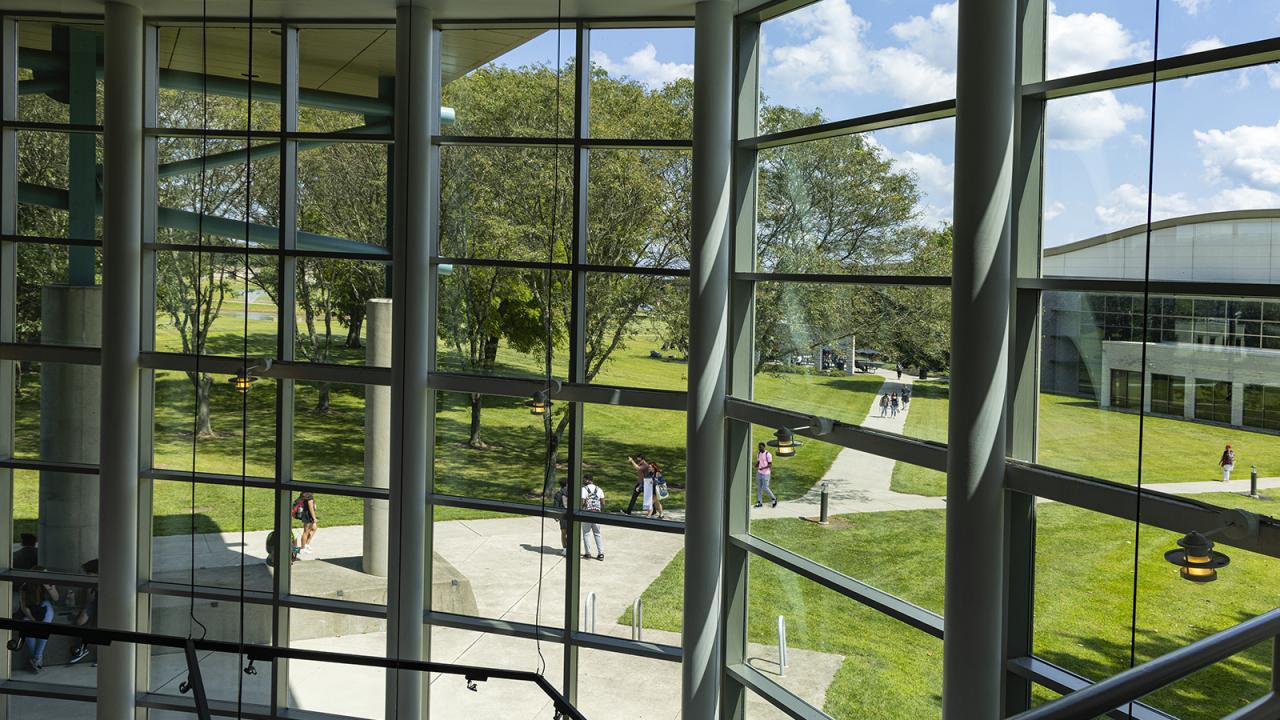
x=637 y=618
x=1253 y=483
x=782 y=646
x=589 y=616
x=826 y=503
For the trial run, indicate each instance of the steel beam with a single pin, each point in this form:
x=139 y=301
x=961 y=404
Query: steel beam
x=702 y=636
x=974 y=597
x=122 y=294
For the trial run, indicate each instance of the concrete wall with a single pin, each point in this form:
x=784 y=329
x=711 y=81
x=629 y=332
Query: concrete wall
x=69 y=410
x=377 y=436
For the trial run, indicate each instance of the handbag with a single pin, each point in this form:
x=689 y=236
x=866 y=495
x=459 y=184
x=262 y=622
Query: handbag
x=660 y=485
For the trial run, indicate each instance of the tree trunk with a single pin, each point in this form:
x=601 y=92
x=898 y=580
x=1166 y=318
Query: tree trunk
x=204 y=422
x=322 y=402
x=353 y=332
x=490 y=352
x=475 y=440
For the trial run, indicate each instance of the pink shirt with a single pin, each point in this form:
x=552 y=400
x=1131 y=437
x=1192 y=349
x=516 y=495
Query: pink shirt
x=764 y=461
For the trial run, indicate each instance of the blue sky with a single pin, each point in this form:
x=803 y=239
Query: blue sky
x=1217 y=137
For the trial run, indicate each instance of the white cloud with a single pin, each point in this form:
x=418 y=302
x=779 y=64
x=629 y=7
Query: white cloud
x=1082 y=42
x=1247 y=155
x=1054 y=210
x=643 y=65
x=1082 y=122
x=1193 y=6
x=834 y=56
x=936 y=181
x=1213 y=42
x=1127 y=204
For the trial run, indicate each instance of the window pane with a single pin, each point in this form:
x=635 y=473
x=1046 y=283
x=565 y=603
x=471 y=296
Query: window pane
x=342 y=197
x=806 y=332
x=638 y=208
x=184 y=57
x=492 y=447
x=331 y=433
x=58 y=72
x=223 y=673
x=332 y=300
x=1190 y=27
x=843 y=657
x=485 y=70
x=614 y=435
x=491 y=568
x=202 y=189
x=465 y=647
x=637 y=331
x=870 y=204
x=207 y=304
x=1095 y=184
x=351 y=690
x=342 y=548
x=850 y=59
x=640 y=566
x=58 y=412
x=209 y=407
x=203 y=546
x=499 y=203
x=611 y=685
x=58 y=185
x=493 y=321
x=642 y=83
x=49 y=309
x=55 y=521
x=343 y=75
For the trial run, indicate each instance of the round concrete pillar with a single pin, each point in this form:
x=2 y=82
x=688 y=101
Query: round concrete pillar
x=69 y=414
x=377 y=435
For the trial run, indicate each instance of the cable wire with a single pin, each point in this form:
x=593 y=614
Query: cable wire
x=244 y=355
x=1146 y=322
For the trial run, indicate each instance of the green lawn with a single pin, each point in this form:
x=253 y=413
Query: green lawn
x=1076 y=436
x=1083 y=606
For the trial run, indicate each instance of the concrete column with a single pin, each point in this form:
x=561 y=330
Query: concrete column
x=1189 y=397
x=411 y=343
x=1147 y=387
x=704 y=539
x=377 y=435
x=1237 y=402
x=974 y=598
x=1104 y=382
x=69 y=427
x=121 y=338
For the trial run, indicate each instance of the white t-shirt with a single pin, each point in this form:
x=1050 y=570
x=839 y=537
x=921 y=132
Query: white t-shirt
x=586 y=490
x=764 y=462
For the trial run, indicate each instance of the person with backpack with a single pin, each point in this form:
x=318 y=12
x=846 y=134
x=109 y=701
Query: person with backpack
x=884 y=404
x=561 y=500
x=592 y=501
x=659 y=490
x=764 y=472
x=304 y=509
x=35 y=604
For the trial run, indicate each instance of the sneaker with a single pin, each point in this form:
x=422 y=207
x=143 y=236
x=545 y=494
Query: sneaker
x=33 y=666
x=600 y=557
x=586 y=556
x=13 y=644
x=759 y=505
x=308 y=550
x=81 y=653
x=774 y=503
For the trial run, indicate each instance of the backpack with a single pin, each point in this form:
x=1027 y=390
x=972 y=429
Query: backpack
x=298 y=508
x=592 y=502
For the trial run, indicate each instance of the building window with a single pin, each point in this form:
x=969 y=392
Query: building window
x=1126 y=389
x=1262 y=406
x=1213 y=400
x=1167 y=394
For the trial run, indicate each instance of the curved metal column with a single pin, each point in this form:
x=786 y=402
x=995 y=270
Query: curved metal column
x=974 y=599
x=121 y=338
x=708 y=364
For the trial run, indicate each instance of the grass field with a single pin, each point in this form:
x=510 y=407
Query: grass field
x=1075 y=435
x=1083 y=606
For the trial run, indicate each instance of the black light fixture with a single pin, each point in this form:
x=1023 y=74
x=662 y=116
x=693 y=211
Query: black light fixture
x=1195 y=555
x=539 y=404
x=784 y=442
x=1197 y=558
x=244 y=378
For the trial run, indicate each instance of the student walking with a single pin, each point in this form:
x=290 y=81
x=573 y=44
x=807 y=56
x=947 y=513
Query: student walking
x=36 y=605
x=641 y=467
x=561 y=500
x=906 y=395
x=884 y=405
x=764 y=472
x=88 y=614
x=26 y=557
x=893 y=404
x=659 y=489
x=1227 y=462
x=592 y=501
x=305 y=510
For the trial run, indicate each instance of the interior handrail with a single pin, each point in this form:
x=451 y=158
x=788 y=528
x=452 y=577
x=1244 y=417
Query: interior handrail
x=1139 y=681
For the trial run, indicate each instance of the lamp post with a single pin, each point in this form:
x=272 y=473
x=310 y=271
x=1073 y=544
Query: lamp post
x=1195 y=555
